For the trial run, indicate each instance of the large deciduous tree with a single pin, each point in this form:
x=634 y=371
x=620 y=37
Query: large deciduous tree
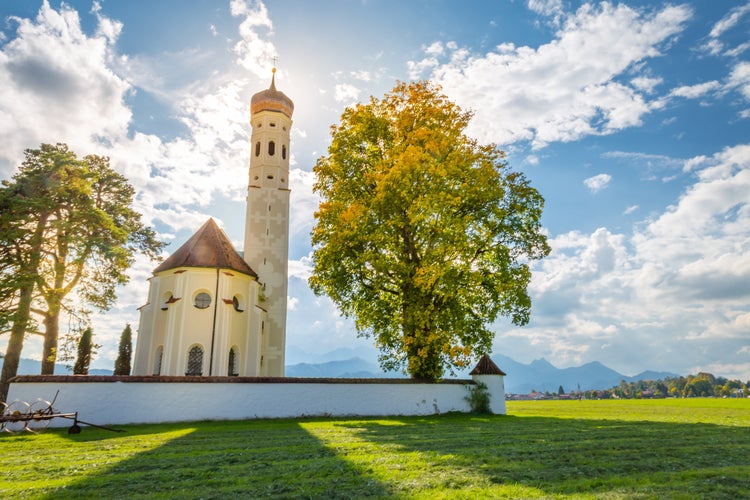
x=67 y=225
x=423 y=235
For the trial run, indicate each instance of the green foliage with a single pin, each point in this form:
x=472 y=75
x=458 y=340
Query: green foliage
x=65 y=224
x=479 y=399
x=83 y=357
x=75 y=349
x=700 y=385
x=422 y=235
x=124 y=352
x=542 y=449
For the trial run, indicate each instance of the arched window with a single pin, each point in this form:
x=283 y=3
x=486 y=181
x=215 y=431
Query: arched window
x=232 y=369
x=283 y=152
x=257 y=148
x=271 y=148
x=238 y=303
x=157 y=359
x=166 y=299
x=195 y=361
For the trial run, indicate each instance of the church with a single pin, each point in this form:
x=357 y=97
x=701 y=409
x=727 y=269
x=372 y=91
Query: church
x=212 y=311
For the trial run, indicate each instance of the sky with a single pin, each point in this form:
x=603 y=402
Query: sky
x=632 y=119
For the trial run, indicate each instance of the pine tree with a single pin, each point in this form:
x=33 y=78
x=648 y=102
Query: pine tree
x=83 y=359
x=66 y=224
x=122 y=364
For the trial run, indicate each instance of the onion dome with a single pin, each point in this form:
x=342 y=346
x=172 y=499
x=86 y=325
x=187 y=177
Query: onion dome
x=272 y=100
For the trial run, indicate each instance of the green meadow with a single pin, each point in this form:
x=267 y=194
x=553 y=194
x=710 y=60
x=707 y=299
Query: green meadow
x=676 y=448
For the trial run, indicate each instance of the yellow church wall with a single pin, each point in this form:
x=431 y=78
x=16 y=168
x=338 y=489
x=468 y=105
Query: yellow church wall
x=172 y=320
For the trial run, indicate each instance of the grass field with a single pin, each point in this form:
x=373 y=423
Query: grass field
x=686 y=448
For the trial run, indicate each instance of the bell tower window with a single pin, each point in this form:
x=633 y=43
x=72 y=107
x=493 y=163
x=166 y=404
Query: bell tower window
x=283 y=152
x=257 y=148
x=271 y=148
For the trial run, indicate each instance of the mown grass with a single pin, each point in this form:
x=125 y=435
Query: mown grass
x=544 y=449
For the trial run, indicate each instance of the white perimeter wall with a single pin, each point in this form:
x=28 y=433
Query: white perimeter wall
x=107 y=403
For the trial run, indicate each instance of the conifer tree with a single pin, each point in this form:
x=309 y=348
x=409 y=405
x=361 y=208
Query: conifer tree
x=83 y=358
x=122 y=363
x=65 y=224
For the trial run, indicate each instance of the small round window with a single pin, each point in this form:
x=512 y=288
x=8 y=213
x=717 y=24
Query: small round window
x=202 y=300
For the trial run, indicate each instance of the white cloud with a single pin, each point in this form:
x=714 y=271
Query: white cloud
x=435 y=49
x=680 y=284
x=254 y=52
x=739 y=78
x=346 y=93
x=362 y=75
x=566 y=89
x=301 y=268
x=714 y=46
x=303 y=202
x=629 y=210
x=645 y=83
x=58 y=87
x=695 y=91
x=549 y=8
x=418 y=69
x=598 y=182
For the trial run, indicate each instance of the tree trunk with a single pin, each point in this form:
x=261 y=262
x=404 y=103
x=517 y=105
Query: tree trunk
x=15 y=342
x=23 y=311
x=54 y=304
x=51 y=330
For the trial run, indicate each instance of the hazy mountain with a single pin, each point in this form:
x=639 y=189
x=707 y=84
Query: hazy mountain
x=348 y=368
x=33 y=367
x=521 y=378
x=539 y=375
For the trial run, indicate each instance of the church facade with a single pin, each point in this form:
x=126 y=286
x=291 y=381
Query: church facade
x=210 y=310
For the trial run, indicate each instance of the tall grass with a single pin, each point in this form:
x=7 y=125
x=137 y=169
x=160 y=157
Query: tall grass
x=546 y=449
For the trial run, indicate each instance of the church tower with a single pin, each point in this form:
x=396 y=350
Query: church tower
x=267 y=219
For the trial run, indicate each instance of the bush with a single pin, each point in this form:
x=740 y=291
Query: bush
x=479 y=399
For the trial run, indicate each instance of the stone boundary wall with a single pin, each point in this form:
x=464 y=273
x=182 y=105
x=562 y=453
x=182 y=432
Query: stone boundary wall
x=111 y=400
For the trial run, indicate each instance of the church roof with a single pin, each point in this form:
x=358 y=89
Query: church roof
x=272 y=100
x=486 y=367
x=208 y=247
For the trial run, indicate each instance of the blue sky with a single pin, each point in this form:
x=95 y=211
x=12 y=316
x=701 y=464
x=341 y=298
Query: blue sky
x=632 y=119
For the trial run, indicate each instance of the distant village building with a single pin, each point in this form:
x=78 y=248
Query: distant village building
x=210 y=310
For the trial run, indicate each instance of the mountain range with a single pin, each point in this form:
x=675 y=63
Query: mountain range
x=539 y=375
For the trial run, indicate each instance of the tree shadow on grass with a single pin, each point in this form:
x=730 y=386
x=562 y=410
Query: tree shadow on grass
x=562 y=457
x=250 y=459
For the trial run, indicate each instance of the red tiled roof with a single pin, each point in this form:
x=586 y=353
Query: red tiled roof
x=486 y=367
x=208 y=247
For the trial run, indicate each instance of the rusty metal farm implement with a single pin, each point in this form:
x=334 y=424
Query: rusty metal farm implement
x=20 y=416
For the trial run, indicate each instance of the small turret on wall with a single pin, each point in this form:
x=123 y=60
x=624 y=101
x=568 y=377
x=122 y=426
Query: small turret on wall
x=489 y=374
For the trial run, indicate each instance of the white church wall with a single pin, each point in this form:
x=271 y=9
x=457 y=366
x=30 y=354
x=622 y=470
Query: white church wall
x=111 y=403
